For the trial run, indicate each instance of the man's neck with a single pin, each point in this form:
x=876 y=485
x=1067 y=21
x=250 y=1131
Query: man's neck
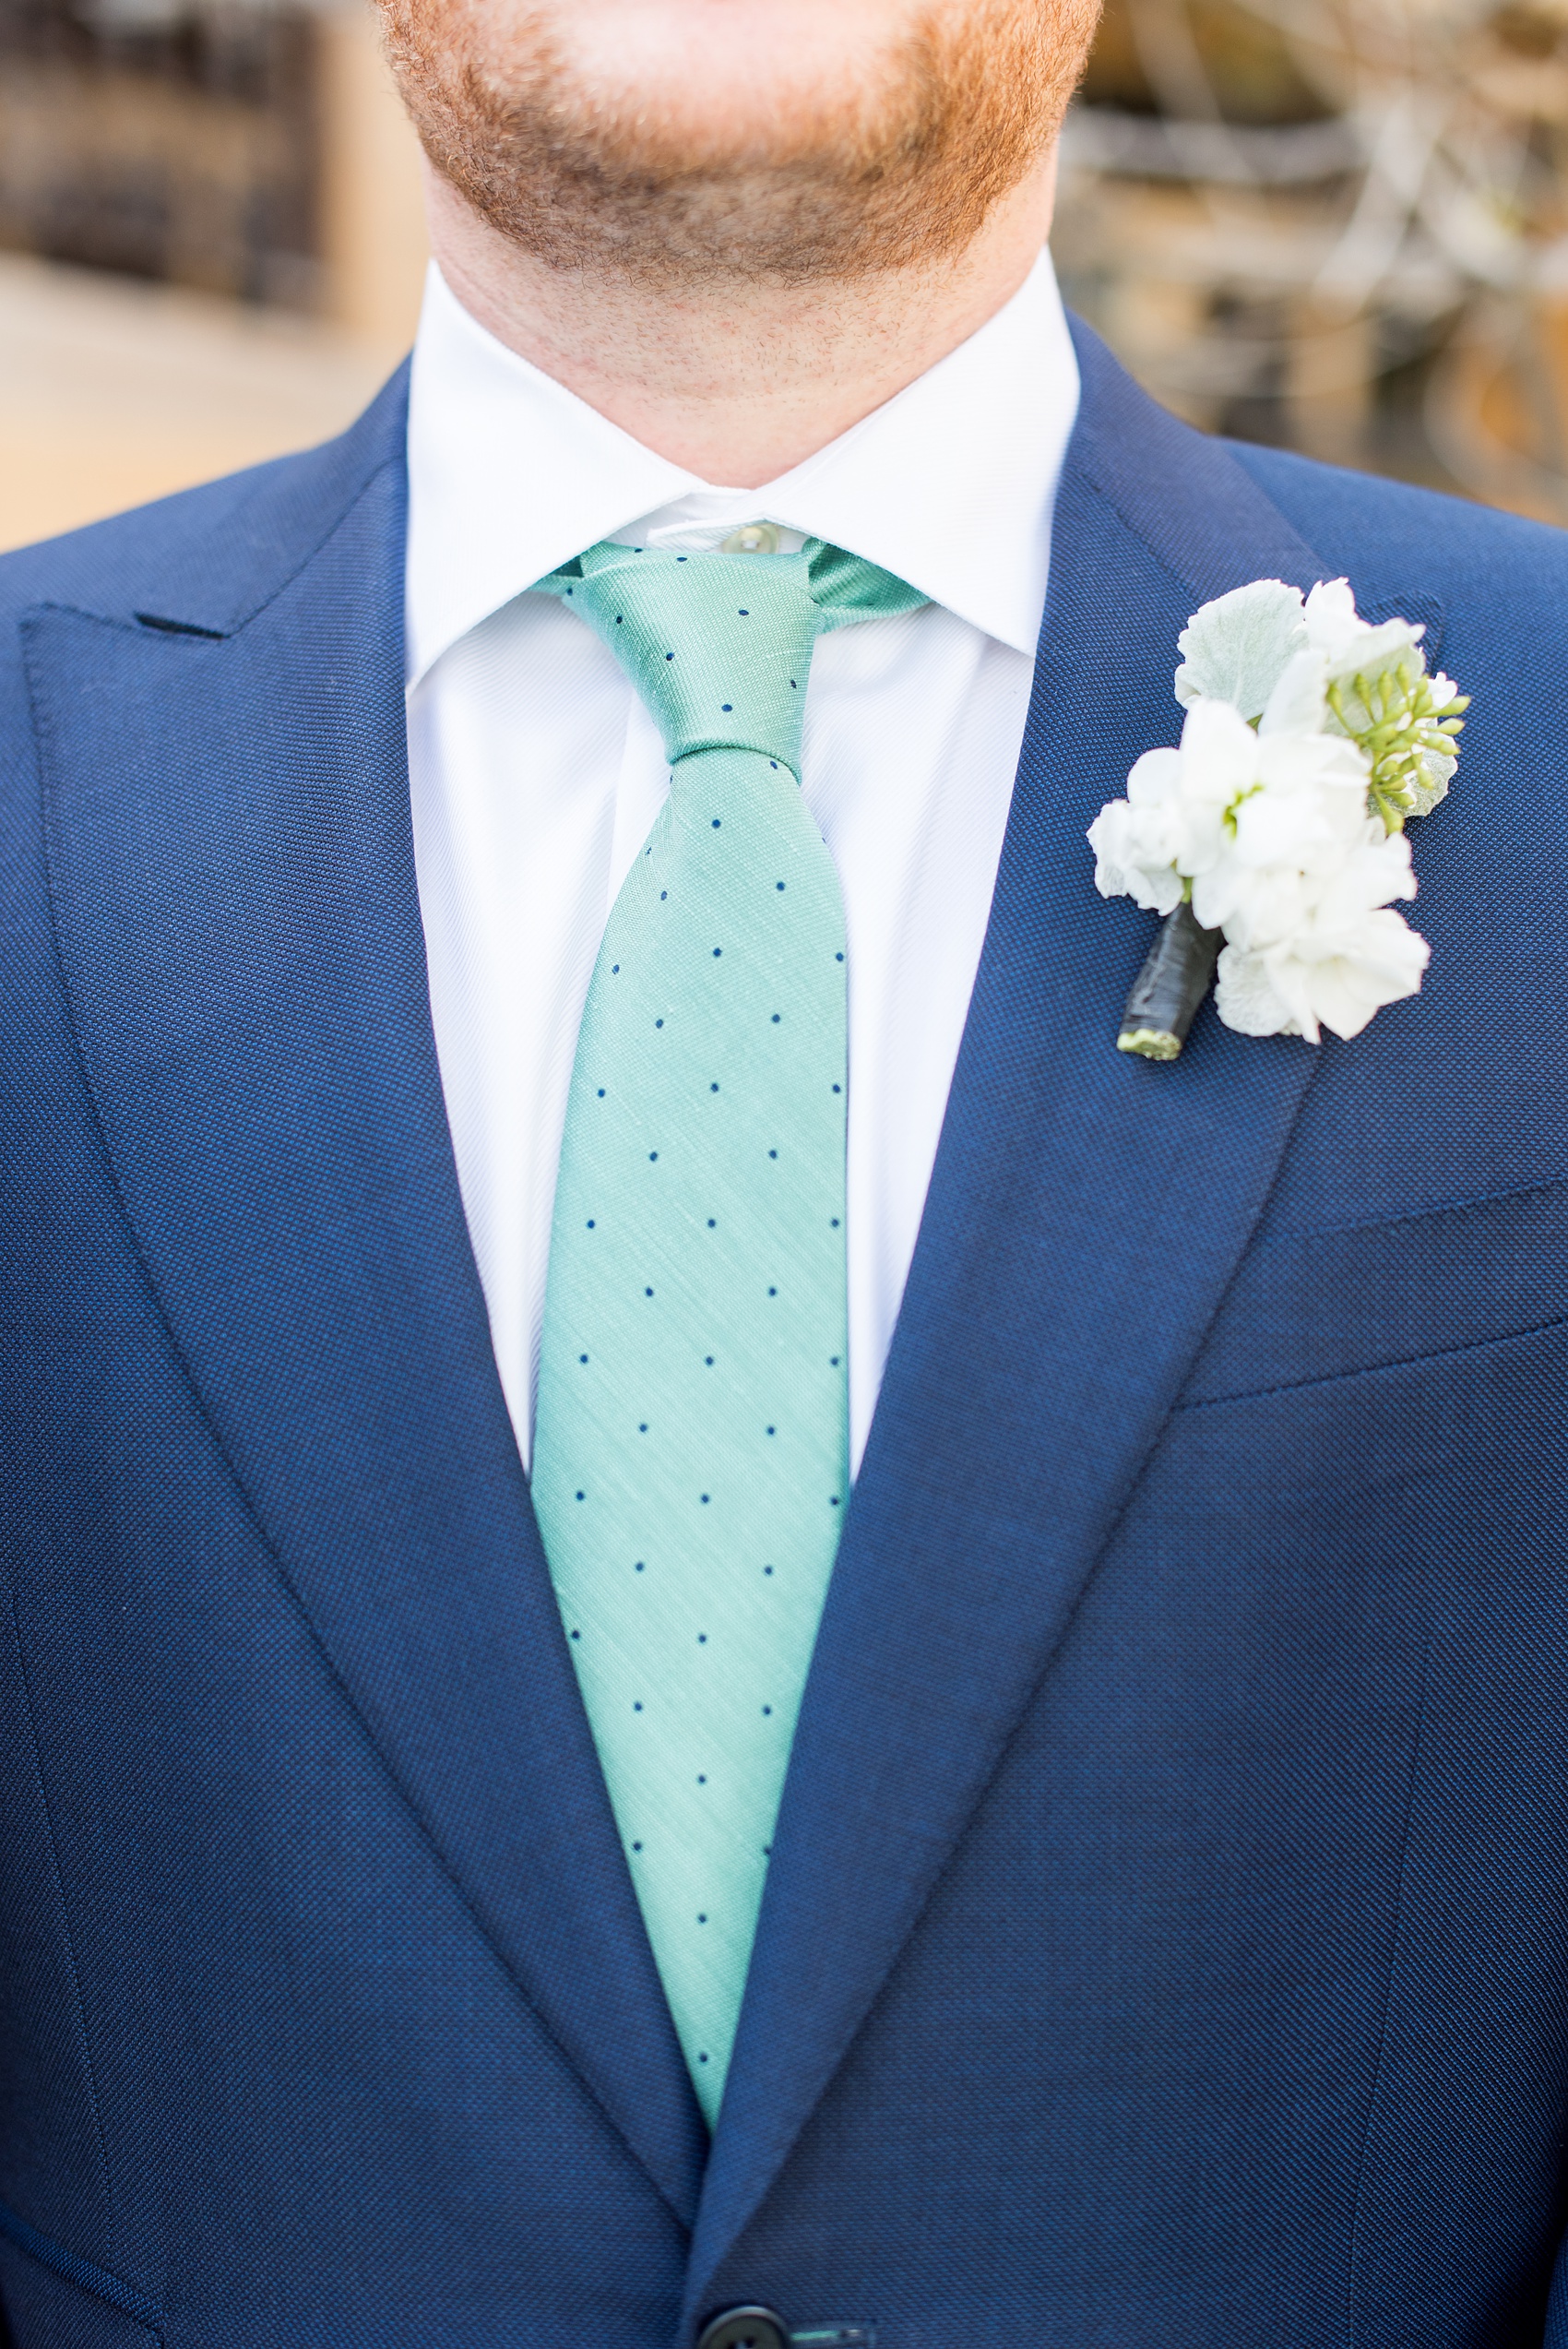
x=737 y=384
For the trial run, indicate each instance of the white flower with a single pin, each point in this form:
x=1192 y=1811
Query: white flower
x=1302 y=812
x=1137 y=839
x=1236 y=648
x=1310 y=735
x=1235 y=815
x=1246 y=796
x=1345 y=955
x=1219 y=767
x=1351 y=646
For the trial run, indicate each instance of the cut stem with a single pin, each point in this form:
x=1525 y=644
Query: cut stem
x=1178 y=972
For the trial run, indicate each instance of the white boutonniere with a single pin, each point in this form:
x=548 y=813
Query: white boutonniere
x=1273 y=839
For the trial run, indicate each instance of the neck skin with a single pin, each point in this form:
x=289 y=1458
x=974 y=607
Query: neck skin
x=736 y=385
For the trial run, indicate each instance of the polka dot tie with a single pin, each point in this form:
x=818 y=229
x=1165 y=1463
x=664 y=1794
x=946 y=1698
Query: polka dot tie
x=691 y=1460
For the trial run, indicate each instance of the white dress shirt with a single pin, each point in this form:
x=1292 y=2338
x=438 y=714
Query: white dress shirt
x=536 y=772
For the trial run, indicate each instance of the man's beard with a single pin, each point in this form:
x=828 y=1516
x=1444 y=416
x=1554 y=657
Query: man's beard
x=898 y=173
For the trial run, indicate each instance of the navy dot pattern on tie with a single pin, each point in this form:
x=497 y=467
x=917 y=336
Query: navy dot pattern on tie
x=691 y=1457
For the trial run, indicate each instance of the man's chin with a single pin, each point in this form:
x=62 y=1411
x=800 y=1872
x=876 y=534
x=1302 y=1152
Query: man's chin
x=684 y=86
x=880 y=140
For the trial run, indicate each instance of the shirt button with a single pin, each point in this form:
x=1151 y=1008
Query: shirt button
x=745 y=2327
x=751 y=538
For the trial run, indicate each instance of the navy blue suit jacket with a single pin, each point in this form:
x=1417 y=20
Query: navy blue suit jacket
x=1167 y=1937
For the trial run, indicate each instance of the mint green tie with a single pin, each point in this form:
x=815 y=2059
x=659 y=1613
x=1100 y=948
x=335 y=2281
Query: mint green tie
x=691 y=1459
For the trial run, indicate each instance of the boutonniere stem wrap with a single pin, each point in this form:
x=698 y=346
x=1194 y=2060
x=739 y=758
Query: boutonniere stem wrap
x=1272 y=840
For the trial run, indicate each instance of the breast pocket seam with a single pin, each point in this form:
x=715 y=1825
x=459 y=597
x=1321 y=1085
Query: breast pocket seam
x=1371 y=1369
x=1298 y=1234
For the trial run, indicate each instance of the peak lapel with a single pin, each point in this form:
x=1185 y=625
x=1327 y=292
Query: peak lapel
x=1084 y=1215
x=231 y=862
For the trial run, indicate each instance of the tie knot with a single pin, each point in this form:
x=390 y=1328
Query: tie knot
x=719 y=646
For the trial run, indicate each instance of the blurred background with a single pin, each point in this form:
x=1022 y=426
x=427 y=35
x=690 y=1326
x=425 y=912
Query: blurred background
x=1339 y=227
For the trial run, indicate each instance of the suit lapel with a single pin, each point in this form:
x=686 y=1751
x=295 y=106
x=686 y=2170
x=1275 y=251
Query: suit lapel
x=232 y=862
x=1084 y=1215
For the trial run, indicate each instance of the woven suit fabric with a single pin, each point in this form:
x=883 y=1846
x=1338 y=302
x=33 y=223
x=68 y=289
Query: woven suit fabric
x=1164 y=1939
x=692 y=1451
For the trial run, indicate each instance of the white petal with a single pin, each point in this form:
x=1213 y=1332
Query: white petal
x=1202 y=841
x=1331 y=616
x=1376 y=870
x=1293 y=829
x=1296 y=705
x=1338 y=972
x=1384 y=963
x=1219 y=754
x=1290 y=982
x=1236 y=648
x=1256 y=907
x=1133 y=851
x=1155 y=777
x=1324 y=772
x=1371 y=649
x=1351 y=646
x=1217 y=892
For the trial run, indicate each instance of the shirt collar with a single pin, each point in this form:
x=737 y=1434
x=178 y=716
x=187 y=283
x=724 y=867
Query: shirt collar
x=950 y=484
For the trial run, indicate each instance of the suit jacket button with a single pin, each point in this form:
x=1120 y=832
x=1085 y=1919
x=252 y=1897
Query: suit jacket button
x=746 y=2328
